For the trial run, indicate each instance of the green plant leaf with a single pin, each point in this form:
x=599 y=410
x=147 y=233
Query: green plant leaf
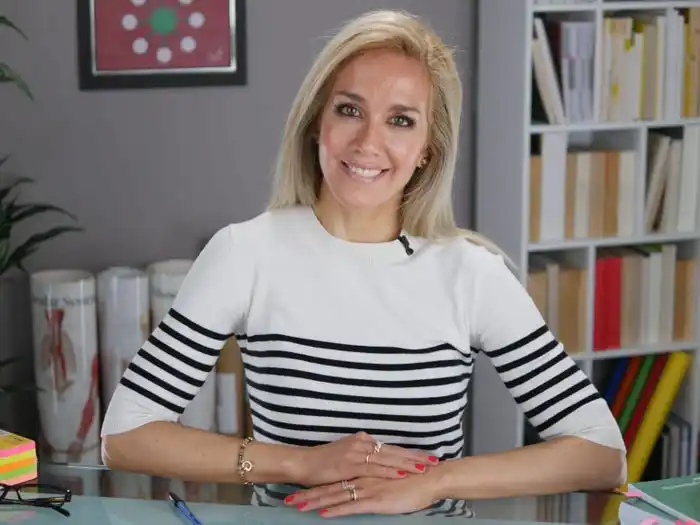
x=21 y=212
x=17 y=389
x=7 y=74
x=7 y=208
x=4 y=21
x=4 y=192
x=12 y=360
x=5 y=229
x=28 y=247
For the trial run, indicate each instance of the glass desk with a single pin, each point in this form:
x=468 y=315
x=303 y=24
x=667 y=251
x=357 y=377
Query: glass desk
x=126 y=499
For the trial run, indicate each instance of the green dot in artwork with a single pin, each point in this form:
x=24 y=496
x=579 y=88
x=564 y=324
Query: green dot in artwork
x=163 y=20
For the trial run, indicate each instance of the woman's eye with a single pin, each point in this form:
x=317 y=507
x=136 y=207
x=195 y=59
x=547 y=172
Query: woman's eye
x=402 y=121
x=347 y=110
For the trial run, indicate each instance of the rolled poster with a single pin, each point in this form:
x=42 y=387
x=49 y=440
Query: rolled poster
x=124 y=324
x=66 y=365
x=165 y=279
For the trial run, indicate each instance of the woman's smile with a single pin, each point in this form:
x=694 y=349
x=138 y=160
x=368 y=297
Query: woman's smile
x=362 y=172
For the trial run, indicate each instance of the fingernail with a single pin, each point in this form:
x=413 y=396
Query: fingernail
x=322 y=511
x=289 y=498
x=401 y=472
x=302 y=505
x=419 y=466
x=434 y=459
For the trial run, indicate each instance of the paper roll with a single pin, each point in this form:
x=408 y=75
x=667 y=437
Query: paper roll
x=66 y=365
x=165 y=278
x=124 y=324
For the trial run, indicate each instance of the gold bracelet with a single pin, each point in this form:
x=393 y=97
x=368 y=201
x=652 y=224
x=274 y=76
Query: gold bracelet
x=244 y=465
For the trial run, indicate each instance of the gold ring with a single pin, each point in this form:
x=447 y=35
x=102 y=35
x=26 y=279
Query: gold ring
x=368 y=456
x=345 y=484
x=377 y=446
x=353 y=493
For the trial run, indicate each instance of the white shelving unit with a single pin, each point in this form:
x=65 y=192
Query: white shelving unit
x=505 y=133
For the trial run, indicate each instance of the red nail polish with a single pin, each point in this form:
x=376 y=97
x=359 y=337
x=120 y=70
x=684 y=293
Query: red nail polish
x=322 y=511
x=401 y=472
x=289 y=498
x=302 y=505
x=434 y=459
x=419 y=466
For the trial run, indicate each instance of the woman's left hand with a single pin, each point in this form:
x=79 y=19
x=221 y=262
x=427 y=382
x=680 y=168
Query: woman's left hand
x=374 y=496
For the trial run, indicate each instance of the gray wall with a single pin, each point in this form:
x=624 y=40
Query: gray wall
x=153 y=173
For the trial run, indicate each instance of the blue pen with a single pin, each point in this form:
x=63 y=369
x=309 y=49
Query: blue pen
x=184 y=509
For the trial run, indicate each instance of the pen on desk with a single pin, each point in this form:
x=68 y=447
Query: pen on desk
x=182 y=507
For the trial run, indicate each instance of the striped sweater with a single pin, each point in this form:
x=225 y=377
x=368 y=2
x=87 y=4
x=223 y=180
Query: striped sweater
x=339 y=337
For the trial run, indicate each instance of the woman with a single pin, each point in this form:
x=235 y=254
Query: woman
x=359 y=307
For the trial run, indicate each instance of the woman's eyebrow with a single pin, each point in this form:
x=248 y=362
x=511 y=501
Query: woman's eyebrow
x=400 y=108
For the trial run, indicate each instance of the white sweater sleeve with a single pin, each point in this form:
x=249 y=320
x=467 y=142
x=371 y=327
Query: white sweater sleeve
x=555 y=395
x=171 y=366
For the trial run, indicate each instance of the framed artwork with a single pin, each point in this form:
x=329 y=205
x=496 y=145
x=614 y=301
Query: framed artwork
x=131 y=44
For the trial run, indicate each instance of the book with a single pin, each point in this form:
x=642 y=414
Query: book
x=652 y=424
x=18 y=460
x=679 y=497
x=636 y=511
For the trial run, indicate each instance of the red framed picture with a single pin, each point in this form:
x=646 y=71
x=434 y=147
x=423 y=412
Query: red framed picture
x=161 y=43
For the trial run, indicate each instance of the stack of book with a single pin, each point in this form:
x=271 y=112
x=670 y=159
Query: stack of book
x=18 y=461
x=666 y=501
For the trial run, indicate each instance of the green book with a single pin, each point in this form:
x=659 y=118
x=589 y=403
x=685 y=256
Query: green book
x=637 y=387
x=635 y=511
x=679 y=497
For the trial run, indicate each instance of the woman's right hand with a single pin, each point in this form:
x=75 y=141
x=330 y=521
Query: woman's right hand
x=360 y=455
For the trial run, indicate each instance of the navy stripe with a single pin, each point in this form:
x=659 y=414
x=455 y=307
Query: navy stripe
x=197 y=327
x=150 y=395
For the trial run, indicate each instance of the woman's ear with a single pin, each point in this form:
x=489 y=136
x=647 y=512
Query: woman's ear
x=423 y=160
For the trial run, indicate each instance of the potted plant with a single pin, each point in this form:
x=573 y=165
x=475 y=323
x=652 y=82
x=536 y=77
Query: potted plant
x=16 y=370
x=7 y=74
x=13 y=213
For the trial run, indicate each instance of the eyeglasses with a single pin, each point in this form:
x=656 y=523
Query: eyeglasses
x=36 y=495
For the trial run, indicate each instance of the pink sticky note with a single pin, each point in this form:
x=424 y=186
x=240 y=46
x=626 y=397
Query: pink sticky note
x=649 y=521
x=633 y=494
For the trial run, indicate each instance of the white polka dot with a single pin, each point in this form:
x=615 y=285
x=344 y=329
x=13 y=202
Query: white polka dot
x=129 y=22
x=164 y=55
x=138 y=3
x=185 y=2
x=196 y=19
x=140 y=46
x=188 y=44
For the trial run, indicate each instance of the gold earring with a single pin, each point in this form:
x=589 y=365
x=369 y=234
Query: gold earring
x=423 y=161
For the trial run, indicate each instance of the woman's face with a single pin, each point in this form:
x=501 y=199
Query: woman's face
x=374 y=129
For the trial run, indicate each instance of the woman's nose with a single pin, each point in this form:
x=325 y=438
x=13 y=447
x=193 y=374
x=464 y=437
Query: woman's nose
x=370 y=137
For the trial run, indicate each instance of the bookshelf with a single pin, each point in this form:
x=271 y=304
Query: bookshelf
x=587 y=176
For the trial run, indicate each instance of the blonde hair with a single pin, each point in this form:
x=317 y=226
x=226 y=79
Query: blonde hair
x=426 y=209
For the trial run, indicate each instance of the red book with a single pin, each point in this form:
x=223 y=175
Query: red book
x=607 y=303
